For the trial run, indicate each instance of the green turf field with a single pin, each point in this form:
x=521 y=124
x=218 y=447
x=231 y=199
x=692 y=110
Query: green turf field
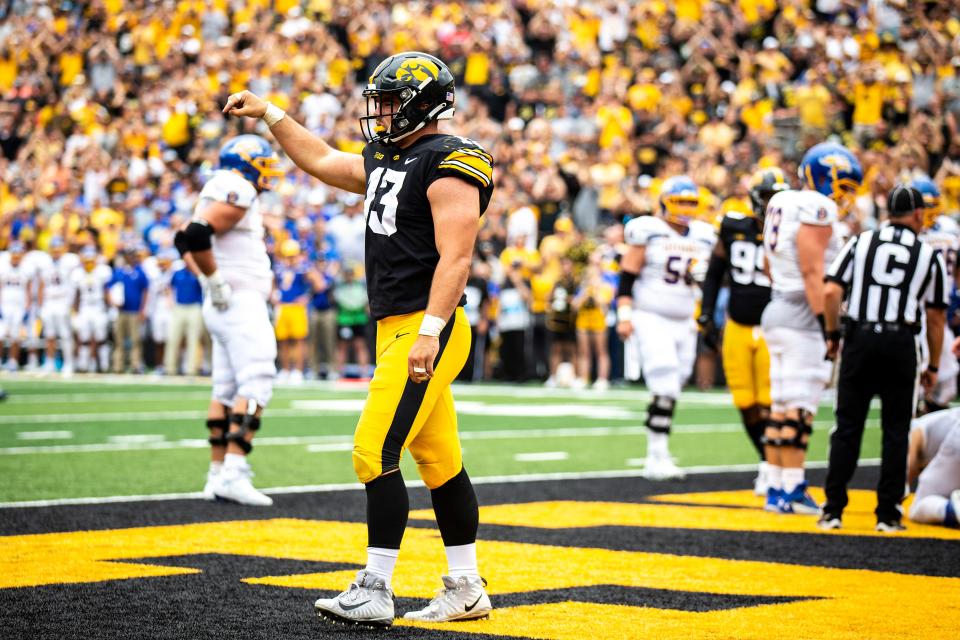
x=92 y=437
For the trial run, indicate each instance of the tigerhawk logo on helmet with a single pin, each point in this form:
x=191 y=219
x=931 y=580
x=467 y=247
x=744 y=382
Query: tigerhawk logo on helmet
x=411 y=89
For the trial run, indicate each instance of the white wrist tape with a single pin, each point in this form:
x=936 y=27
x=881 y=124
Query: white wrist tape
x=273 y=114
x=432 y=326
x=624 y=313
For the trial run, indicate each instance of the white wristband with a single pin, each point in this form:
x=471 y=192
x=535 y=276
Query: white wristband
x=624 y=313
x=273 y=114
x=432 y=326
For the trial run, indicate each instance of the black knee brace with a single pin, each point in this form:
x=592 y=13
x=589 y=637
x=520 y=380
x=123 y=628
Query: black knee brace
x=247 y=422
x=660 y=414
x=773 y=441
x=218 y=423
x=796 y=441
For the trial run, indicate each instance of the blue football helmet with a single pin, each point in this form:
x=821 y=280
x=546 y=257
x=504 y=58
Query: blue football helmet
x=679 y=200
x=252 y=157
x=834 y=171
x=932 y=202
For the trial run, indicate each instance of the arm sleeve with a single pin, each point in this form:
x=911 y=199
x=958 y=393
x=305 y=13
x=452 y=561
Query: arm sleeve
x=821 y=212
x=638 y=231
x=230 y=188
x=712 y=283
x=841 y=269
x=938 y=289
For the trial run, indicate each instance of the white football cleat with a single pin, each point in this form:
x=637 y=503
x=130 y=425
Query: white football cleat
x=460 y=598
x=601 y=385
x=367 y=602
x=662 y=468
x=233 y=485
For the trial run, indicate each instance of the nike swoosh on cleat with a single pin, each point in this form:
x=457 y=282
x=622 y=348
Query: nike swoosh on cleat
x=470 y=607
x=351 y=607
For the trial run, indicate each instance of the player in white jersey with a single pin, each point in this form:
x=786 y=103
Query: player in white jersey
x=656 y=302
x=89 y=284
x=225 y=242
x=159 y=307
x=934 y=457
x=55 y=297
x=802 y=234
x=16 y=298
x=943 y=234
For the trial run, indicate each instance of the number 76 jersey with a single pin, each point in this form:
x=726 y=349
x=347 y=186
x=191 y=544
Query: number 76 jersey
x=665 y=285
x=401 y=251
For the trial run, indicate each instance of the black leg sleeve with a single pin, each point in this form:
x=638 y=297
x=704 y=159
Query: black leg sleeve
x=387 y=509
x=458 y=515
x=755 y=426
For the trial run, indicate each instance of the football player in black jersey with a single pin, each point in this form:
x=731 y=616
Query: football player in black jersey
x=746 y=362
x=425 y=192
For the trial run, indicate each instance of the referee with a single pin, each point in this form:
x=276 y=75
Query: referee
x=887 y=276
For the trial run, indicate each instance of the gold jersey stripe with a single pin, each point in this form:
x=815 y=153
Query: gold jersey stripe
x=476 y=159
x=465 y=168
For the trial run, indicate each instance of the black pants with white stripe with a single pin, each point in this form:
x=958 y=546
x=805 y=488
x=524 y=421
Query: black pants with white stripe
x=873 y=364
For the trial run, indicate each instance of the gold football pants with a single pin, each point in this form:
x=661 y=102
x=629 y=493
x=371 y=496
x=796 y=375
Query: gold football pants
x=402 y=415
x=746 y=364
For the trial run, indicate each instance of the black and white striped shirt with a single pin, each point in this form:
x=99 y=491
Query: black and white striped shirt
x=887 y=274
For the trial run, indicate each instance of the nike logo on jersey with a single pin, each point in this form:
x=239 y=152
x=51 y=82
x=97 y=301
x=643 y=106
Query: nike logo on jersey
x=400 y=335
x=351 y=607
x=409 y=160
x=468 y=608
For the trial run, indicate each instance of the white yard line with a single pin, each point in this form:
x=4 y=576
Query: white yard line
x=44 y=435
x=329 y=442
x=541 y=456
x=356 y=486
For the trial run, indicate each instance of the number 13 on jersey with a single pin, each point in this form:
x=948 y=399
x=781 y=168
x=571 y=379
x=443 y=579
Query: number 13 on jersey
x=384 y=223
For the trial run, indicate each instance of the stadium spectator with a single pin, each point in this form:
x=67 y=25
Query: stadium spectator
x=323 y=320
x=592 y=302
x=186 y=323
x=128 y=290
x=292 y=290
x=352 y=319
x=514 y=322
x=561 y=322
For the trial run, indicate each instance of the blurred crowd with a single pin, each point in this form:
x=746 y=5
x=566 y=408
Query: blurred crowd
x=110 y=122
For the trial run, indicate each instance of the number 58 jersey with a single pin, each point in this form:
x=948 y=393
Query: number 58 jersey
x=665 y=285
x=401 y=250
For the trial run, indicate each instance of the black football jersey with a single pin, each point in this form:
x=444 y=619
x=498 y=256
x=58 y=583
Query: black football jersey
x=401 y=253
x=742 y=238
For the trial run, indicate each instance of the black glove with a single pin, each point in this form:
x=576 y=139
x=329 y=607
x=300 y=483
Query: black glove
x=711 y=336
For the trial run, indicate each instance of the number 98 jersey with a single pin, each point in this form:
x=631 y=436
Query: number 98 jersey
x=741 y=236
x=401 y=252
x=665 y=285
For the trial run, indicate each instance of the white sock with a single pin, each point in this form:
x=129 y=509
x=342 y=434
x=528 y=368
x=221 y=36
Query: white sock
x=462 y=560
x=774 y=476
x=234 y=461
x=380 y=562
x=792 y=478
x=83 y=357
x=763 y=471
x=657 y=444
x=215 y=467
x=103 y=353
